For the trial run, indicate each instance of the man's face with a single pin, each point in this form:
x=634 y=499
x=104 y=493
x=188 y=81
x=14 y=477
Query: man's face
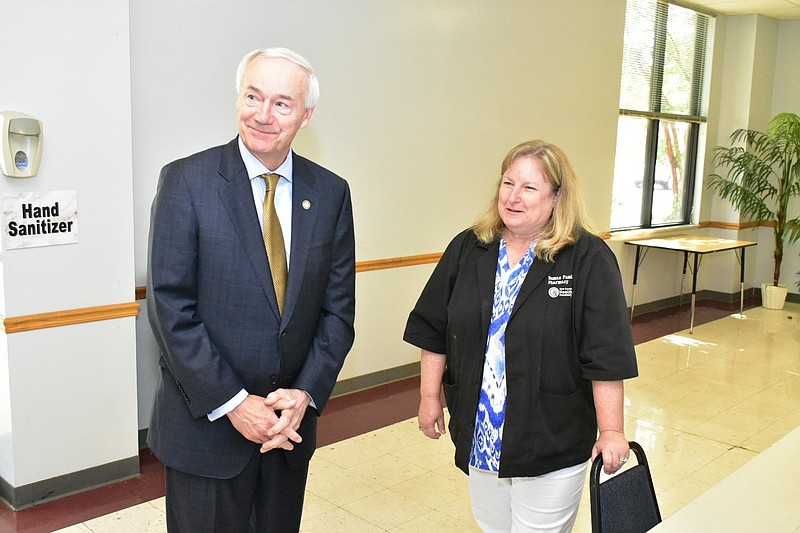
x=271 y=108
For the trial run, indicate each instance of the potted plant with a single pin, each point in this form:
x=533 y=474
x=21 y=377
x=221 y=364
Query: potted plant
x=762 y=178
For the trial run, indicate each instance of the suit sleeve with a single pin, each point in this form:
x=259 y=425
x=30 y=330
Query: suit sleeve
x=335 y=331
x=204 y=378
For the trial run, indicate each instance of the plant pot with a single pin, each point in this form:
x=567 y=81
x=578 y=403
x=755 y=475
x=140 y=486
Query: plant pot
x=773 y=297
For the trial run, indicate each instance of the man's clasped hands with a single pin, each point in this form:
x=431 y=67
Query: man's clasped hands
x=272 y=421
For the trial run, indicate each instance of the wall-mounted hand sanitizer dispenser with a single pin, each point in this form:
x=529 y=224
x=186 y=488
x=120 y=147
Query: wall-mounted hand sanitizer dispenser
x=22 y=144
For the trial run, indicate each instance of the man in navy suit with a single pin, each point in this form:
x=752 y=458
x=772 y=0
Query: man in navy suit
x=242 y=382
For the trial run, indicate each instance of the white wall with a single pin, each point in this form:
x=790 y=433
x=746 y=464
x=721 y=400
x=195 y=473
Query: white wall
x=68 y=65
x=68 y=394
x=756 y=77
x=6 y=440
x=786 y=98
x=738 y=100
x=420 y=102
x=73 y=390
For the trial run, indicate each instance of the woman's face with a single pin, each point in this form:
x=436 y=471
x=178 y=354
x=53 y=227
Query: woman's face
x=526 y=198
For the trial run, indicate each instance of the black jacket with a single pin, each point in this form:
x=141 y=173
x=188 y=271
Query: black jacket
x=569 y=327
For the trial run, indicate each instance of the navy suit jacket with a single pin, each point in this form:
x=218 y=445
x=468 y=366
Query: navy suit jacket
x=213 y=309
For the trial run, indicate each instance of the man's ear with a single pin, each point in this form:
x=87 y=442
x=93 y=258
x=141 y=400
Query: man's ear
x=307 y=116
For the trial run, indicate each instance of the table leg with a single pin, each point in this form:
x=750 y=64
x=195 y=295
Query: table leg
x=683 y=277
x=694 y=290
x=635 y=278
x=741 y=287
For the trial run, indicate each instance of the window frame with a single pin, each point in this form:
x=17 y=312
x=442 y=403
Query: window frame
x=695 y=119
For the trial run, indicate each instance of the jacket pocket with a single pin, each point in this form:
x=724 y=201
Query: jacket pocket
x=563 y=422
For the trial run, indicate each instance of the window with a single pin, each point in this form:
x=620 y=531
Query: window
x=662 y=108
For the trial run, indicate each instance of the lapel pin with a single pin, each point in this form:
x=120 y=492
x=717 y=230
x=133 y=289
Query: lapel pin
x=306 y=205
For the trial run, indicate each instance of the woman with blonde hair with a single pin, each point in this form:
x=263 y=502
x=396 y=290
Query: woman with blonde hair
x=523 y=326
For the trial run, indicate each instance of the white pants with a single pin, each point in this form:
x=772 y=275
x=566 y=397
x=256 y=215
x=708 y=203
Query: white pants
x=547 y=503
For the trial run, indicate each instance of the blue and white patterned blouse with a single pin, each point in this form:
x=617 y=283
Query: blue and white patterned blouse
x=488 y=438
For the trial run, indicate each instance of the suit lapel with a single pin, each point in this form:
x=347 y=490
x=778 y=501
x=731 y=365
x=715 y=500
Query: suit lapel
x=305 y=208
x=237 y=197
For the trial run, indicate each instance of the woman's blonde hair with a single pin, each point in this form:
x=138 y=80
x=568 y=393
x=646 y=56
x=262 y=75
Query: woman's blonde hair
x=569 y=216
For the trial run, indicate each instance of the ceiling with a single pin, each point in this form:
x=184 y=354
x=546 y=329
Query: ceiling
x=777 y=9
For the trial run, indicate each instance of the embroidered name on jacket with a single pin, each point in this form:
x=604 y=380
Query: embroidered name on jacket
x=560 y=286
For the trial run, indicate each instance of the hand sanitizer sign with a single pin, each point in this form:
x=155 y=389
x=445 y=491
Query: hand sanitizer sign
x=39 y=219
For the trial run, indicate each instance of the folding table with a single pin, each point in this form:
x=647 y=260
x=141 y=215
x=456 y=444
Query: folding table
x=689 y=244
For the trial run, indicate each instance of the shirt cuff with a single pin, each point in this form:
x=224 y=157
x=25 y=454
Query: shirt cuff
x=310 y=400
x=228 y=406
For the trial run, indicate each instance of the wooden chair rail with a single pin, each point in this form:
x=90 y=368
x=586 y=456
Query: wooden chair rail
x=17 y=324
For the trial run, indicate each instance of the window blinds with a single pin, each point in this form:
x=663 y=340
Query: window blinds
x=664 y=61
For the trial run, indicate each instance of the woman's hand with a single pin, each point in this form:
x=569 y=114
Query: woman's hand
x=431 y=414
x=614 y=448
x=431 y=417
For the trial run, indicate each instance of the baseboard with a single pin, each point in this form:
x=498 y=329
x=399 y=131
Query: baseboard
x=715 y=296
x=791 y=297
x=57 y=487
x=382 y=377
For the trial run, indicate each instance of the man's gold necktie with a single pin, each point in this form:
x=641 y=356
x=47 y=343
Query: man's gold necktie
x=273 y=240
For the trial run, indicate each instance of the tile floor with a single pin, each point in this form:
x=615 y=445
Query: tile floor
x=705 y=404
